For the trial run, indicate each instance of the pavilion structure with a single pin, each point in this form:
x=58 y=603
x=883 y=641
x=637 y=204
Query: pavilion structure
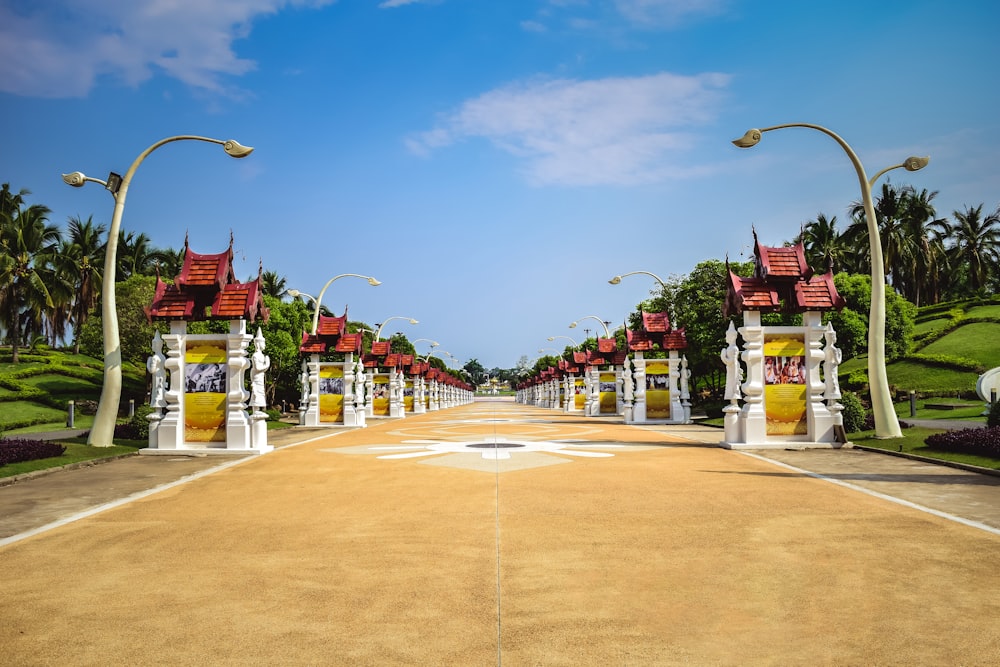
x=781 y=381
x=656 y=391
x=333 y=391
x=199 y=381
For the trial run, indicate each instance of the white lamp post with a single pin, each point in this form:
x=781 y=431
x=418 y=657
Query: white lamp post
x=607 y=334
x=103 y=431
x=319 y=299
x=886 y=421
x=552 y=338
x=378 y=333
x=617 y=279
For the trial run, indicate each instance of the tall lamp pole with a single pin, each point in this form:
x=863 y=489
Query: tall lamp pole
x=617 y=279
x=319 y=299
x=607 y=334
x=378 y=333
x=103 y=431
x=886 y=421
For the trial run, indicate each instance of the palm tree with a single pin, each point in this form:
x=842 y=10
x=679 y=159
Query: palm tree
x=272 y=284
x=890 y=209
x=26 y=242
x=922 y=262
x=81 y=262
x=137 y=256
x=976 y=243
x=825 y=248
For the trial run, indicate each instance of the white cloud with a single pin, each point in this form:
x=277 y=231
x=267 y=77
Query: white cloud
x=667 y=13
x=609 y=131
x=59 y=48
x=388 y=4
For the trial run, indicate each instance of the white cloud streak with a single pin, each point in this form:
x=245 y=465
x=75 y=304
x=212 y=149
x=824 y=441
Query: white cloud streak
x=667 y=13
x=59 y=48
x=615 y=131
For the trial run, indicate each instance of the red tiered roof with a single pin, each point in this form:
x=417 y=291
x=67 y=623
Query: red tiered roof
x=207 y=289
x=606 y=345
x=349 y=342
x=656 y=331
x=782 y=281
x=380 y=348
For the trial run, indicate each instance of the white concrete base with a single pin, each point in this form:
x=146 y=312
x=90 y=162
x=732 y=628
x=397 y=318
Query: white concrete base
x=786 y=445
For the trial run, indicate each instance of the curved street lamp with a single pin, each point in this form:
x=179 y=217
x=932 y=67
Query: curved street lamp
x=103 y=431
x=319 y=299
x=617 y=279
x=294 y=293
x=886 y=421
x=378 y=333
x=607 y=334
x=552 y=338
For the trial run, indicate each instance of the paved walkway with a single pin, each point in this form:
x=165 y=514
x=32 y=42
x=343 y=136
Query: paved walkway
x=494 y=534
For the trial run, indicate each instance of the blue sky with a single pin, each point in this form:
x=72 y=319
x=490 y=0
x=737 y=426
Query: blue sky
x=493 y=163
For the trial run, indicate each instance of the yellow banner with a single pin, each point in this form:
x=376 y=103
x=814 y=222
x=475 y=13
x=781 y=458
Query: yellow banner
x=380 y=395
x=607 y=394
x=657 y=391
x=331 y=393
x=408 y=396
x=579 y=398
x=205 y=391
x=785 y=385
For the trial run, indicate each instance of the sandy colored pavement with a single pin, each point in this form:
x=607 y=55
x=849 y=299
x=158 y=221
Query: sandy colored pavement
x=592 y=544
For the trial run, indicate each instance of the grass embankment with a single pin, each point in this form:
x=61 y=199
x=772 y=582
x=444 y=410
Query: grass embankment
x=77 y=450
x=912 y=442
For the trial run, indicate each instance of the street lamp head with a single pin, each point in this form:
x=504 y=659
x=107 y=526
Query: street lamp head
x=294 y=293
x=748 y=140
x=76 y=179
x=615 y=280
x=235 y=149
x=413 y=321
x=572 y=325
x=916 y=163
x=373 y=282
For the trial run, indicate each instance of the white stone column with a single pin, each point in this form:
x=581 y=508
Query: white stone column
x=752 y=417
x=170 y=433
x=819 y=418
x=237 y=419
x=639 y=407
x=312 y=411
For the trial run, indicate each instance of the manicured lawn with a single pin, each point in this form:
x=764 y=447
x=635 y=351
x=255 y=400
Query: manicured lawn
x=77 y=450
x=912 y=442
x=54 y=383
x=971 y=410
x=911 y=375
x=923 y=328
x=972 y=341
x=983 y=311
x=19 y=411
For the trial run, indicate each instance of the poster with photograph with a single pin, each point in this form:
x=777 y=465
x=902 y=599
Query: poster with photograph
x=380 y=395
x=657 y=390
x=579 y=396
x=408 y=396
x=331 y=393
x=785 y=385
x=205 y=391
x=607 y=394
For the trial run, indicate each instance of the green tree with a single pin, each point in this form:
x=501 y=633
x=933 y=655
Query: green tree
x=132 y=296
x=852 y=322
x=825 y=247
x=81 y=260
x=27 y=243
x=976 y=244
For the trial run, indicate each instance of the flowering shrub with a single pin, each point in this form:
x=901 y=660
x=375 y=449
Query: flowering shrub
x=15 y=450
x=980 y=441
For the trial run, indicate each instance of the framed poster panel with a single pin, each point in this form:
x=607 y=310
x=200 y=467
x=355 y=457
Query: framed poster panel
x=380 y=395
x=657 y=390
x=608 y=394
x=205 y=365
x=408 y=396
x=785 y=384
x=331 y=393
x=579 y=394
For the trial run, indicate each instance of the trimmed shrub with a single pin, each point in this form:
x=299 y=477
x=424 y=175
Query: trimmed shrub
x=854 y=412
x=16 y=450
x=978 y=441
x=993 y=418
x=136 y=428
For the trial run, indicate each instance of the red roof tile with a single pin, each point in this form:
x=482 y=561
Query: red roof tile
x=638 y=341
x=818 y=293
x=656 y=322
x=606 y=345
x=349 y=342
x=380 y=348
x=675 y=340
x=312 y=344
x=200 y=271
x=169 y=303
